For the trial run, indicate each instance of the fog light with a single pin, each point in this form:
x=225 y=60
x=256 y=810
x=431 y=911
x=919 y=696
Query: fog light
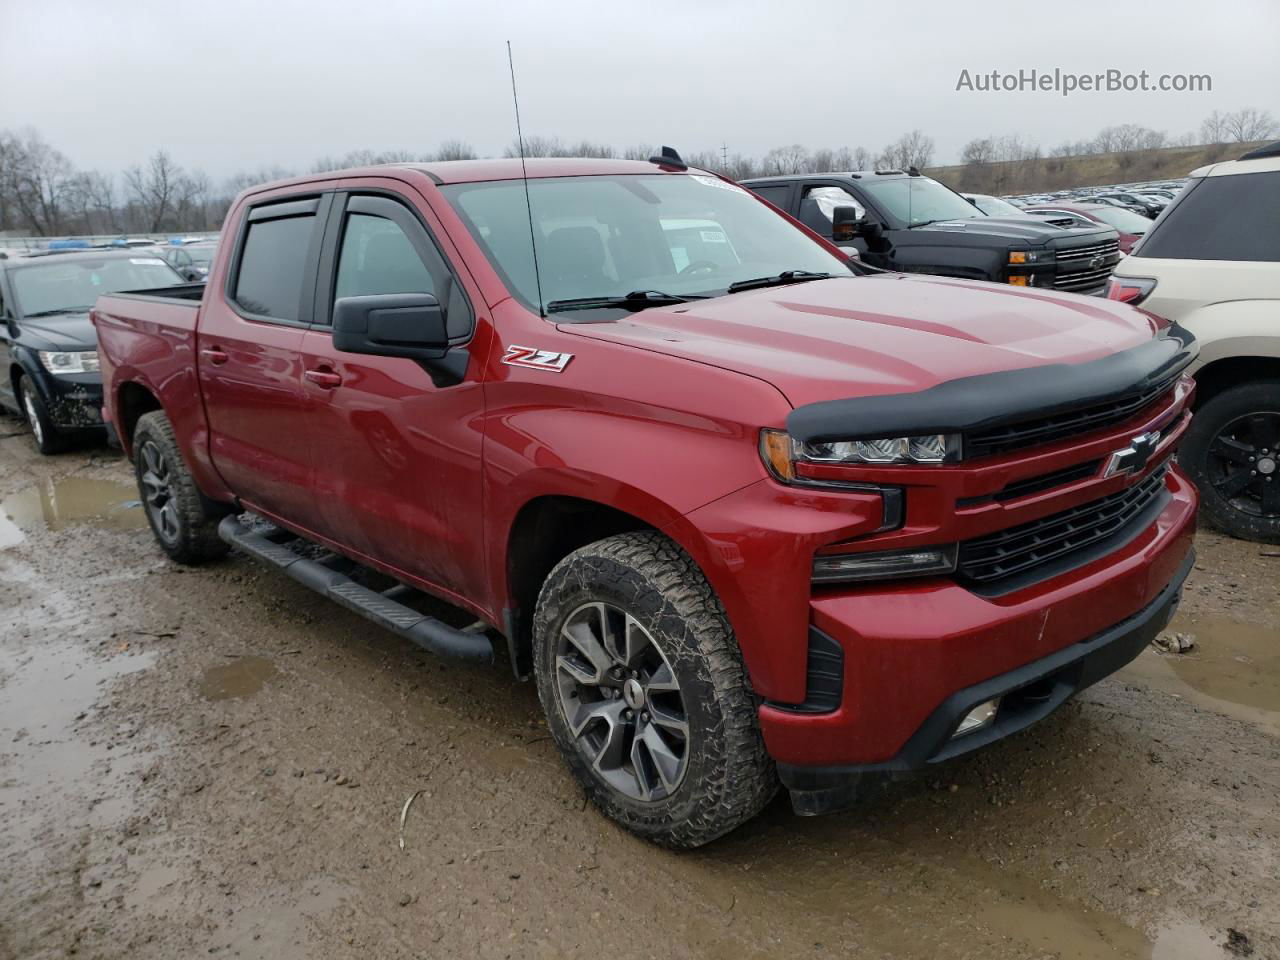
x=983 y=715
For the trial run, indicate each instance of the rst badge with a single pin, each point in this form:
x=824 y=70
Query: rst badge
x=537 y=359
x=1133 y=457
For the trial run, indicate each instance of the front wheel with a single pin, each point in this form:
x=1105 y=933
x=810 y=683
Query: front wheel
x=185 y=524
x=48 y=438
x=1232 y=452
x=646 y=694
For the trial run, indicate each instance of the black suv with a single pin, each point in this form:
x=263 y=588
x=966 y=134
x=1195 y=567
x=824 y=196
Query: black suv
x=48 y=348
x=908 y=222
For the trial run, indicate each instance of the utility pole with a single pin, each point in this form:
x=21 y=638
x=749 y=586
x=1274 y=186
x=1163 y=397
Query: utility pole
x=724 y=155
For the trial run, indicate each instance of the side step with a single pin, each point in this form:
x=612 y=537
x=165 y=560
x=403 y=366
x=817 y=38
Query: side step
x=426 y=632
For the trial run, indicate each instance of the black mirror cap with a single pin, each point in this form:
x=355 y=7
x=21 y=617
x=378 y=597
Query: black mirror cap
x=408 y=325
x=845 y=222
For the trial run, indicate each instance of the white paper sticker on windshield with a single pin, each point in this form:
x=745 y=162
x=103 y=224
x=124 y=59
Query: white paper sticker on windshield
x=713 y=236
x=146 y=260
x=717 y=182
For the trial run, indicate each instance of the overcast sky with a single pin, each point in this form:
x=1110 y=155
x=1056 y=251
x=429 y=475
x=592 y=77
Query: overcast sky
x=231 y=85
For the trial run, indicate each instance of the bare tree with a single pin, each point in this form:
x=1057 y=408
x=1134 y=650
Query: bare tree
x=455 y=150
x=786 y=160
x=912 y=149
x=1213 y=128
x=537 y=146
x=1249 y=124
x=36 y=182
x=152 y=189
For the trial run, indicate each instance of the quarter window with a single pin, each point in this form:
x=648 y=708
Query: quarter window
x=1234 y=217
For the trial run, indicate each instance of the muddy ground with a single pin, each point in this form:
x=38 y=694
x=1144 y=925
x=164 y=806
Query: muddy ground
x=213 y=762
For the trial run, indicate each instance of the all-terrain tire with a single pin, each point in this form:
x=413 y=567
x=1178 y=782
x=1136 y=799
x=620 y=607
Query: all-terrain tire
x=188 y=530
x=728 y=776
x=1217 y=415
x=47 y=437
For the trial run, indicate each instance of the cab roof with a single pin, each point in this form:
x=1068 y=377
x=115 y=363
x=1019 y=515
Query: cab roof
x=476 y=171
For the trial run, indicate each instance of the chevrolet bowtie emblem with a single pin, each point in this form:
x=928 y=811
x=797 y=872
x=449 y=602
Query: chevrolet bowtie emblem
x=1133 y=458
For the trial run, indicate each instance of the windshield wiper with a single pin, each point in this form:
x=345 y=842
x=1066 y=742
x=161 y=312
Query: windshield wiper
x=925 y=223
x=57 y=312
x=779 y=280
x=635 y=300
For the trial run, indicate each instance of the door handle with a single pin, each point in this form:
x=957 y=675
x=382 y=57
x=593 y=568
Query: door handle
x=327 y=379
x=214 y=355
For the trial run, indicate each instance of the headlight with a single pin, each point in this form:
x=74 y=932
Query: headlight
x=885 y=564
x=1030 y=256
x=781 y=451
x=58 y=362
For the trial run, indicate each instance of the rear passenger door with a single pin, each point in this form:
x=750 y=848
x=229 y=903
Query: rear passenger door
x=249 y=357
x=396 y=455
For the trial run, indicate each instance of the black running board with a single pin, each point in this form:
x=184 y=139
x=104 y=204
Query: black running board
x=427 y=632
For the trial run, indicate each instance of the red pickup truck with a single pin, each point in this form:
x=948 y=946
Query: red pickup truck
x=747 y=512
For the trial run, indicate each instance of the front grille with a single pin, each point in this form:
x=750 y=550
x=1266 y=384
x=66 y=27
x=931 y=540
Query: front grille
x=1106 y=249
x=1030 y=433
x=1022 y=549
x=1083 y=280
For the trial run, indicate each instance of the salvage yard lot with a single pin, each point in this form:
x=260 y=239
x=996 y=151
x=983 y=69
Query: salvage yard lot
x=215 y=761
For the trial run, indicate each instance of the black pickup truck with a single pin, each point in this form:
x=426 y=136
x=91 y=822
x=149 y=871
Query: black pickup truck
x=908 y=222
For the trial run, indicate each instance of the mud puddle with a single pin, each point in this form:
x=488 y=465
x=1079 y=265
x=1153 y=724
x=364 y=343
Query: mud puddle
x=1234 y=668
x=55 y=780
x=71 y=501
x=237 y=680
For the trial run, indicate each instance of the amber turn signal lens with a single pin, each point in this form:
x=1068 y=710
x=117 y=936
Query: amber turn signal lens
x=1020 y=281
x=775 y=448
x=1018 y=256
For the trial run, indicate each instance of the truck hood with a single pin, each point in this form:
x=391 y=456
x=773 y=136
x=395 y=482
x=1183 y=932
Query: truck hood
x=880 y=334
x=1025 y=230
x=64 y=331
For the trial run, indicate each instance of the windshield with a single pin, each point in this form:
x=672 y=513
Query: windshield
x=917 y=200
x=606 y=236
x=995 y=207
x=1126 y=221
x=202 y=255
x=67 y=286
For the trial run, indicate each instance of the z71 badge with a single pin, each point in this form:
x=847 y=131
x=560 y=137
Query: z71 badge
x=537 y=359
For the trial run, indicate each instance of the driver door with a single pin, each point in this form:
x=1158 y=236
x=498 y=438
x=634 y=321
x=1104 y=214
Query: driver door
x=395 y=456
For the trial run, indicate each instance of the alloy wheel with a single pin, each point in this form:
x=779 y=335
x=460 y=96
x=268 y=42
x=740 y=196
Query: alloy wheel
x=33 y=416
x=157 y=492
x=1244 y=464
x=621 y=701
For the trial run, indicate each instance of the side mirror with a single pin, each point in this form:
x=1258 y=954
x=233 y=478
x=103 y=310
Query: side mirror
x=846 y=223
x=391 y=325
x=972 y=201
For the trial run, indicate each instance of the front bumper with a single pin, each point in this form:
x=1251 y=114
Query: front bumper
x=74 y=402
x=918 y=656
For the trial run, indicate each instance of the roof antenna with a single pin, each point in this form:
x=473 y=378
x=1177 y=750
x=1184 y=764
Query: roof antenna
x=669 y=158
x=524 y=175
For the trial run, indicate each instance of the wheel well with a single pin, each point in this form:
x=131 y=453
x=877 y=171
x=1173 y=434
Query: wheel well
x=1215 y=377
x=134 y=400
x=545 y=531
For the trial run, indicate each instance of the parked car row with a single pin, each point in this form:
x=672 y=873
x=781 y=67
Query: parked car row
x=752 y=511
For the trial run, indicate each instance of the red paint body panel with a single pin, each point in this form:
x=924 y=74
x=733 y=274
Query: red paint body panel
x=658 y=415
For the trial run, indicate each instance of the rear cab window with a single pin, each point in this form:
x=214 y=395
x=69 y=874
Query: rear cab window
x=278 y=246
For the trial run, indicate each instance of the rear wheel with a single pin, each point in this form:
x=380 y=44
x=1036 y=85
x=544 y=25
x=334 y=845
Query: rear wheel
x=47 y=437
x=184 y=522
x=646 y=694
x=1232 y=452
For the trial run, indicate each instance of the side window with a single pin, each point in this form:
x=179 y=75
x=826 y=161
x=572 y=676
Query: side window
x=777 y=194
x=377 y=257
x=1233 y=217
x=818 y=204
x=385 y=249
x=273 y=262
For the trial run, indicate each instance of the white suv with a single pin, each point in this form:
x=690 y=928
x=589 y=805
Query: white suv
x=1211 y=263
